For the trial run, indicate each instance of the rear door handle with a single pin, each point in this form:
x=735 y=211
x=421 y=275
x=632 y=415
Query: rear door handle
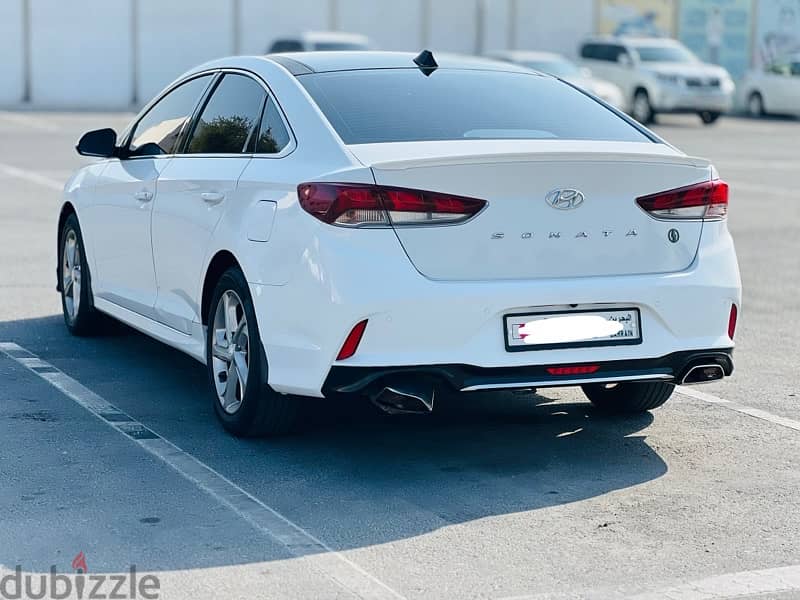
x=212 y=197
x=143 y=196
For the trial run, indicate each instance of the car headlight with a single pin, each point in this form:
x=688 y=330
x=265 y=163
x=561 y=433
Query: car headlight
x=668 y=78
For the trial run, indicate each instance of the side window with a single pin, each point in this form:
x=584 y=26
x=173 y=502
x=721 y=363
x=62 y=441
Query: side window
x=230 y=117
x=157 y=132
x=287 y=46
x=590 y=51
x=273 y=136
x=795 y=68
x=614 y=52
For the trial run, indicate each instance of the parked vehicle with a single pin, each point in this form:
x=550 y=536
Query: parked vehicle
x=560 y=66
x=659 y=75
x=302 y=239
x=320 y=40
x=775 y=90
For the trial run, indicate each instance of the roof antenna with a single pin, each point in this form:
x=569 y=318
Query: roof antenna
x=426 y=63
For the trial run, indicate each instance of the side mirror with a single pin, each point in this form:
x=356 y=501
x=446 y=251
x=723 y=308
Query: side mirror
x=625 y=60
x=100 y=142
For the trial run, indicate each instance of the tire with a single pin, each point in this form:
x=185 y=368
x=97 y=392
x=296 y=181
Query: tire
x=709 y=117
x=75 y=283
x=233 y=345
x=641 y=109
x=755 y=105
x=632 y=397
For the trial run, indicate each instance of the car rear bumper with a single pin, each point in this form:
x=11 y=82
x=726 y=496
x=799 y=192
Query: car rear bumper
x=671 y=368
x=414 y=321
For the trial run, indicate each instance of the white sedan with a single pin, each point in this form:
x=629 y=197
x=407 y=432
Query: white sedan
x=775 y=90
x=379 y=224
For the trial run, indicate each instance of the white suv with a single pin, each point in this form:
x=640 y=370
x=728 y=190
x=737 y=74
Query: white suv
x=660 y=75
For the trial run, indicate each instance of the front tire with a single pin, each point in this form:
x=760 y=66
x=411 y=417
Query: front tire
x=74 y=281
x=755 y=105
x=642 y=110
x=628 y=397
x=237 y=368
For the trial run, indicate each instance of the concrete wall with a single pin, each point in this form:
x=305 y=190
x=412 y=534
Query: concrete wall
x=111 y=54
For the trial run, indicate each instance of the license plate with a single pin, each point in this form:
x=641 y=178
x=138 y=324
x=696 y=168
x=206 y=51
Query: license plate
x=574 y=329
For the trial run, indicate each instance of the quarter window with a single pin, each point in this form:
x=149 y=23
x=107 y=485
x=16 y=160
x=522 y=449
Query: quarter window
x=157 y=132
x=230 y=118
x=273 y=136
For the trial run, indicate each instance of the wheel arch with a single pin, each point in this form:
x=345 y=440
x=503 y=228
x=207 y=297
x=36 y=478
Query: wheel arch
x=221 y=262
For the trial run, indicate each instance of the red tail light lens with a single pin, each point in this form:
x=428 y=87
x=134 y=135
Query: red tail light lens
x=365 y=205
x=352 y=341
x=732 y=321
x=707 y=201
x=574 y=370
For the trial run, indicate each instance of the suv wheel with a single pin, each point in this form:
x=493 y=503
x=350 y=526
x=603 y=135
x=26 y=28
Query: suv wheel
x=237 y=367
x=642 y=110
x=755 y=105
x=708 y=117
x=628 y=397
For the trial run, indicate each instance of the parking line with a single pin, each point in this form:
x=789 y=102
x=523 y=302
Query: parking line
x=265 y=519
x=32 y=176
x=745 y=410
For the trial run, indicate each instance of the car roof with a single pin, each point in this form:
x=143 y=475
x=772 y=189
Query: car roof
x=632 y=40
x=522 y=55
x=301 y=63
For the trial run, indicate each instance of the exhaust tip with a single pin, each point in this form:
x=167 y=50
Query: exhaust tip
x=703 y=374
x=405 y=398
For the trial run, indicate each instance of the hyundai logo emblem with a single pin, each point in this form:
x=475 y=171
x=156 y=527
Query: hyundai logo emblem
x=566 y=199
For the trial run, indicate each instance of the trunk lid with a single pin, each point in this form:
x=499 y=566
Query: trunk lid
x=520 y=235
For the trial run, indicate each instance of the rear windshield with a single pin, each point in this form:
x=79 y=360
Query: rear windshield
x=403 y=105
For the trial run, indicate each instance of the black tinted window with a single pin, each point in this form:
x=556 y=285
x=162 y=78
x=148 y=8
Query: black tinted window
x=396 y=105
x=591 y=51
x=273 y=136
x=229 y=118
x=158 y=130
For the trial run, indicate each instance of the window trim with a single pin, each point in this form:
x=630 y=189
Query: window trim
x=217 y=74
x=129 y=133
x=288 y=149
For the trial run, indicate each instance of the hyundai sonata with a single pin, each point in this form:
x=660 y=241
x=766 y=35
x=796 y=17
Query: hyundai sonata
x=395 y=226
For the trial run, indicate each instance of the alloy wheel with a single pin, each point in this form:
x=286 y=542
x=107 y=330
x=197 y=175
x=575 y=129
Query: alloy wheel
x=71 y=274
x=230 y=351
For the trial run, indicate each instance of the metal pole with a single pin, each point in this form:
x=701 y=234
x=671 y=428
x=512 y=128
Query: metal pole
x=480 y=20
x=27 y=49
x=512 y=24
x=333 y=14
x=134 y=52
x=425 y=23
x=236 y=8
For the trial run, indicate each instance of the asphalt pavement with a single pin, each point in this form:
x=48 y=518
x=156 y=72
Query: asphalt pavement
x=109 y=445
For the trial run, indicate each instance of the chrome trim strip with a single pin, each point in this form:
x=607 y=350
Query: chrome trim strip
x=709 y=366
x=563 y=382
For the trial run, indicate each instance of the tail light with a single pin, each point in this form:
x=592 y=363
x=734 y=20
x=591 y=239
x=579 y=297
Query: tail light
x=366 y=205
x=732 y=321
x=707 y=201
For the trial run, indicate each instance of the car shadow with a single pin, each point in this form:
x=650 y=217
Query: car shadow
x=354 y=476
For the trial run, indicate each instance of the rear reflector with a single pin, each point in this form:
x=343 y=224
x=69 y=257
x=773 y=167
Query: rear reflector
x=366 y=205
x=575 y=370
x=707 y=201
x=353 y=340
x=732 y=321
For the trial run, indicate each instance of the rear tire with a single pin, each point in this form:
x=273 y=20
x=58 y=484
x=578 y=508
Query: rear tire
x=709 y=117
x=74 y=282
x=237 y=368
x=629 y=397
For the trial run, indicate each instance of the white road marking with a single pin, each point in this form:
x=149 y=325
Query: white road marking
x=34 y=122
x=745 y=584
x=32 y=176
x=745 y=410
x=265 y=519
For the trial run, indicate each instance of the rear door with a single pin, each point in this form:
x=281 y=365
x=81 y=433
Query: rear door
x=125 y=193
x=196 y=188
